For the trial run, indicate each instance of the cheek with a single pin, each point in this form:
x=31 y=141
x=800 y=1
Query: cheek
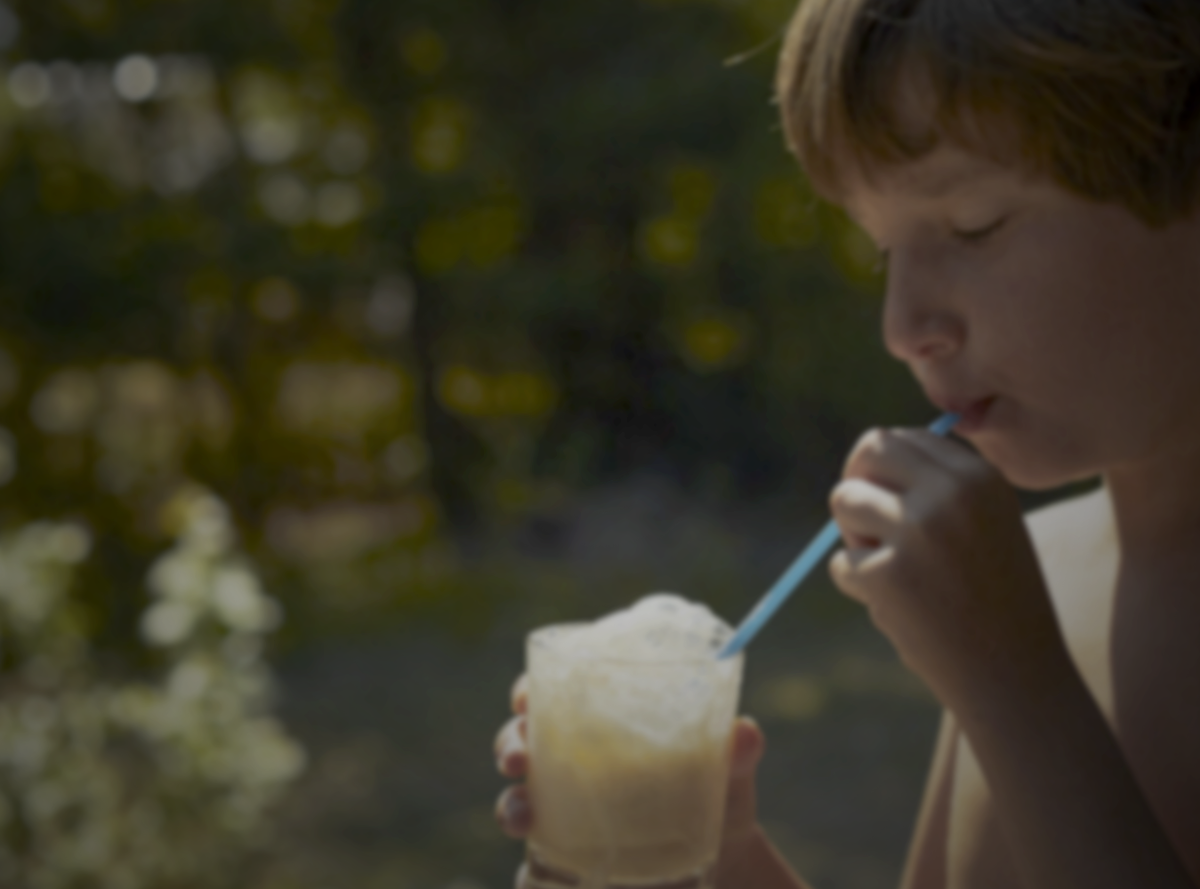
x=1056 y=312
x=1040 y=462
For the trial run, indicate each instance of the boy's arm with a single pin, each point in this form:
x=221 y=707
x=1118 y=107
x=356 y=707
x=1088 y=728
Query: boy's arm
x=760 y=866
x=939 y=554
x=1070 y=808
x=747 y=859
x=928 y=852
x=757 y=865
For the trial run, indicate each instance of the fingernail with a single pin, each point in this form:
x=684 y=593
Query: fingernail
x=517 y=812
x=514 y=763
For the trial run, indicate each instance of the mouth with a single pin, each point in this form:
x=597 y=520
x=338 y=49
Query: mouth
x=973 y=415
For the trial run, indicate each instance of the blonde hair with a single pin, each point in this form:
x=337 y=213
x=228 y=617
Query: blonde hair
x=1103 y=95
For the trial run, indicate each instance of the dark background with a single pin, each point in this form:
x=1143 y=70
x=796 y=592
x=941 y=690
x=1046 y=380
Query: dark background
x=477 y=315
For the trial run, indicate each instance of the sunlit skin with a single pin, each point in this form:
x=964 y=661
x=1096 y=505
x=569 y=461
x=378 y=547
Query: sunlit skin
x=1063 y=646
x=1064 y=330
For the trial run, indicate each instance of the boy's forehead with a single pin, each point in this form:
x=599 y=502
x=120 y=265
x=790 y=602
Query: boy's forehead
x=943 y=172
x=959 y=141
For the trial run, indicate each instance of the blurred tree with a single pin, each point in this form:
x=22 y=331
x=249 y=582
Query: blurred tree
x=397 y=280
x=384 y=273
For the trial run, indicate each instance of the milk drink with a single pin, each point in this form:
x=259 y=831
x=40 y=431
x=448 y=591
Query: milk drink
x=630 y=723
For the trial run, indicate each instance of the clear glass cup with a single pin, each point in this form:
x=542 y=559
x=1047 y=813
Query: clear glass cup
x=629 y=763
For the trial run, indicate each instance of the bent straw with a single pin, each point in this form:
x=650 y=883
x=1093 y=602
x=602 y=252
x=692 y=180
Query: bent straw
x=805 y=562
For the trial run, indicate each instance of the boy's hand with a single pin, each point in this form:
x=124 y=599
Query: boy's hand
x=515 y=813
x=937 y=550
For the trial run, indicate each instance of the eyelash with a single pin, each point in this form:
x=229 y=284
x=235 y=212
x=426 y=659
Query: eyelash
x=979 y=235
x=973 y=236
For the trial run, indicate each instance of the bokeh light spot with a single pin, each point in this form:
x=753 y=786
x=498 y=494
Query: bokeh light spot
x=439 y=135
x=275 y=300
x=793 y=697
x=856 y=254
x=168 y=623
x=524 y=394
x=671 y=241
x=424 y=51
x=285 y=199
x=390 y=306
x=271 y=140
x=346 y=150
x=784 y=214
x=66 y=404
x=405 y=458
x=710 y=343
x=135 y=78
x=463 y=390
x=29 y=85
x=340 y=399
x=338 y=204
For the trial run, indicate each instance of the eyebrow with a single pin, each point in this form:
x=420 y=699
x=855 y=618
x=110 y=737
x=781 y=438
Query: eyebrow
x=941 y=183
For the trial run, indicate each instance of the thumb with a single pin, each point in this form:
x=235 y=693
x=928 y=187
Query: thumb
x=749 y=744
x=741 y=810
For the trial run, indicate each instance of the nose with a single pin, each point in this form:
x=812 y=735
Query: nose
x=920 y=321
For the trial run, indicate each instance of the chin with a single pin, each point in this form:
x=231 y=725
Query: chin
x=1040 y=472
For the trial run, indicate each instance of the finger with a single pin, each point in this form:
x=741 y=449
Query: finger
x=944 y=452
x=512 y=755
x=520 y=695
x=514 y=813
x=866 y=513
x=522 y=881
x=853 y=570
x=883 y=457
x=741 y=814
x=749 y=744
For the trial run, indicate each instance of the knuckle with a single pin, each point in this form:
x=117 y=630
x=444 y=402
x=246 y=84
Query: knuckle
x=840 y=498
x=520 y=694
x=977 y=476
x=867 y=451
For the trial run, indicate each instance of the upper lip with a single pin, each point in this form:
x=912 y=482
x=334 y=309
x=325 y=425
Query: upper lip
x=956 y=404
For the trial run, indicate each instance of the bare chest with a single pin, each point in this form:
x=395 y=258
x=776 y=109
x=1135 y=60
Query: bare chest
x=1143 y=669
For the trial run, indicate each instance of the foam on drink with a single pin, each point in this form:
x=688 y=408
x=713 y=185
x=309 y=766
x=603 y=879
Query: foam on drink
x=629 y=732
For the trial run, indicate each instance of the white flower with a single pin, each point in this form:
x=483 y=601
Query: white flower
x=181 y=577
x=240 y=603
x=168 y=623
x=189 y=680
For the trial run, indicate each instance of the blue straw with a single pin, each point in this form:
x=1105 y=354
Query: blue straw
x=794 y=576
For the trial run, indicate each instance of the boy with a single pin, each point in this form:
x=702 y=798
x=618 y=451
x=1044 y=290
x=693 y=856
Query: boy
x=1029 y=169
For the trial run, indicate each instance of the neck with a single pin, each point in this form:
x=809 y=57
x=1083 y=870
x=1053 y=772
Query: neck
x=1157 y=511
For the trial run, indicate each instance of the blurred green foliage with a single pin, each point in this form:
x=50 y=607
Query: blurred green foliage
x=385 y=274
x=398 y=280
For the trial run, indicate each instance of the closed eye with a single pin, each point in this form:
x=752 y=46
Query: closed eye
x=977 y=235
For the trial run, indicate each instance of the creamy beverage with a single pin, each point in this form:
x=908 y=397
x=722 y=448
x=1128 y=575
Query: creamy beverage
x=630 y=722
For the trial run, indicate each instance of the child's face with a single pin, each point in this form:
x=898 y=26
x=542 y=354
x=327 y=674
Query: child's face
x=1065 y=331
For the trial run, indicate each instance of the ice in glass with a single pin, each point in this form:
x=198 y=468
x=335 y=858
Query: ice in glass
x=630 y=725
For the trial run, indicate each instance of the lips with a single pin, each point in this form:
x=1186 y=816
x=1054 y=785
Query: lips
x=972 y=414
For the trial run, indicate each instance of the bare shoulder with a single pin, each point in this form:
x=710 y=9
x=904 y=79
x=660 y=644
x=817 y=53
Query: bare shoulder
x=1076 y=544
x=957 y=842
x=1070 y=529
